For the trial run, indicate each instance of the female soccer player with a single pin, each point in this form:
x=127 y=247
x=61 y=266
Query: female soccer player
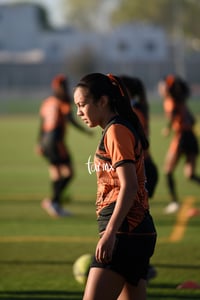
x=55 y=114
x=175 y=92
x=139 y=103
x=126 y=229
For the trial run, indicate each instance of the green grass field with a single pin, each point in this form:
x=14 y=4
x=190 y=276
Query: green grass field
x=37 y=252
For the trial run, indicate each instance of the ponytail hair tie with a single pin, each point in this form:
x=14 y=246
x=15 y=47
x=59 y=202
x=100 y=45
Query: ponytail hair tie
x=170 y=79
x=58 y=81
x=115 y=82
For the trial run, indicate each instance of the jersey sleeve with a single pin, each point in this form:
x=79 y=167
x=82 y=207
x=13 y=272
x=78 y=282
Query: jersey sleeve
x=119 y=142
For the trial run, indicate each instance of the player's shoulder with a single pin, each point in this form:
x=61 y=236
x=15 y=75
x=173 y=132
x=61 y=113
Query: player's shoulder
x=117 y=127
x=51 y=101
x=49 y=104
x=119 y=131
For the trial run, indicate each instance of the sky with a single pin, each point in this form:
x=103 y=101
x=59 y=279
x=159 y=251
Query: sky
x=52 y=6
x=57 y=18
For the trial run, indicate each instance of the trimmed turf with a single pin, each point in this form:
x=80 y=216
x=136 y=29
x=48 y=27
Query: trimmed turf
x=37 y=252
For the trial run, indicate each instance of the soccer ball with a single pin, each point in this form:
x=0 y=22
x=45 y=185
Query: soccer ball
x=81 y=268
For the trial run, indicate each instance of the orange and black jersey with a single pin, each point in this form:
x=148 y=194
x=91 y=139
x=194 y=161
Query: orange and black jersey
x=179 y=116
x=119 y=145
x=53 y=113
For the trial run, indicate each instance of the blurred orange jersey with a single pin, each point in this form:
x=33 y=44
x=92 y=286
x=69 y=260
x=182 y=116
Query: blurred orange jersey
x=178 y=114
x=120 y=145
x=54 y=113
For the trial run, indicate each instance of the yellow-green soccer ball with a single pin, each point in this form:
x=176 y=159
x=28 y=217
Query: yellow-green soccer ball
x=81 y=268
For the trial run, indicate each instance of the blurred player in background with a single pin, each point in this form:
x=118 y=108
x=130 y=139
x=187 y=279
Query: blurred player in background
x=139 y=103
x=55 y=115
x=175 y=92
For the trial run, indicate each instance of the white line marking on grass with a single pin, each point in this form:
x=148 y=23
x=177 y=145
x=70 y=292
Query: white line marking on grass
x=54 y=239
x=182 y=220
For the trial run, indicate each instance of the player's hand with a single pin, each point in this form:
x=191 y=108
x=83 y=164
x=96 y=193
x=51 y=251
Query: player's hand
x=104 y=249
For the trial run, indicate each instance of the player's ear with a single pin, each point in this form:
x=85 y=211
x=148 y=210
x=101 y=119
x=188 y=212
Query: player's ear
x=103 y=101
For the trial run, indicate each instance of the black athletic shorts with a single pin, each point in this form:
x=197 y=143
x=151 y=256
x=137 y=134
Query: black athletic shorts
x=132 y=253
x=188 y=143
x=55 y=151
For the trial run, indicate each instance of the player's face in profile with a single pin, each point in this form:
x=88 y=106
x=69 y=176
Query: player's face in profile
x=87 y=109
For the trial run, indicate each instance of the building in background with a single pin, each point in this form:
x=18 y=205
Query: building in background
x=23 y=29
x=31 y=52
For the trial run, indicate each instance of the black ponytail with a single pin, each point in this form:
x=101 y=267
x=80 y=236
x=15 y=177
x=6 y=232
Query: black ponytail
x=178 y=89
x=124 y=109
x=137 y=92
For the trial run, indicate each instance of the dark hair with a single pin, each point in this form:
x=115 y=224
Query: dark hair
x=99 y=85
x=61 y=81
x=137 y=91
x=178 y=88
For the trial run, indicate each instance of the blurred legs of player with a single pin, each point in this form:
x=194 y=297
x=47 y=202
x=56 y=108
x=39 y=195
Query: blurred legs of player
x=171 y=161
x=189 y=168
x=60 y=176
x=188 y=147
x=174 y=205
